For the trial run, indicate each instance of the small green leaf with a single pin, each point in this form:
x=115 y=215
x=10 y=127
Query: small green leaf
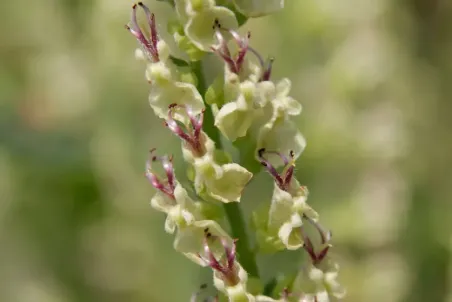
x=179 y=62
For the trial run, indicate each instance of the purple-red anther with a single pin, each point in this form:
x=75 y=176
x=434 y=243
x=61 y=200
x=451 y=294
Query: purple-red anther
x=325 y=236
x=192 y=138
x=225 y=266
x=148 y=44
x=283 y=180
x=167 y=185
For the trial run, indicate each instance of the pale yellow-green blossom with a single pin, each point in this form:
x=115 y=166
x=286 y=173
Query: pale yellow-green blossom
x=281 y=227
x=190 y=240
x=199 y=27
x=319 y=282
x=222 y=182
x=236 y=292
x=165 y=94
x=235 y=118
x=198 y=17
x=285 y=216
x=181 y=211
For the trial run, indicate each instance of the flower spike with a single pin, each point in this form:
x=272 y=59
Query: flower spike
x=148 y=45
x=193 y=139
x=167 y=186
x=284 y=179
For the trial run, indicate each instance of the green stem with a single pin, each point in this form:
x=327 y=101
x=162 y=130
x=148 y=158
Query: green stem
x=233 y=211
x=236 y=220
x=209 y=121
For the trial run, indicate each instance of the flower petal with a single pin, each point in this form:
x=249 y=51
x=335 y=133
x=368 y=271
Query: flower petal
x=200 y=26
x=281 y=135
x=232 y=122
x=162 y=202
x=289 y=233
x=162 y=96
x=170 y=226
x=229 y=187
x=190 y=240
x=283 y=87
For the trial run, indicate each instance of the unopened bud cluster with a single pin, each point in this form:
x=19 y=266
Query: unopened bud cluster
x=248 y=106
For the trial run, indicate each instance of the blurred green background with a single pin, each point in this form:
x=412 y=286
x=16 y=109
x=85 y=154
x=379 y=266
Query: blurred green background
x=375 y=81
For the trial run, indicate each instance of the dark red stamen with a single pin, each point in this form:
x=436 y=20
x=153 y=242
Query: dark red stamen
x=226 y=267
x=325 y=236
x=191 y=137
x=282 y=180
x=166 y=186
x=148 y=45
x=234 y=63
